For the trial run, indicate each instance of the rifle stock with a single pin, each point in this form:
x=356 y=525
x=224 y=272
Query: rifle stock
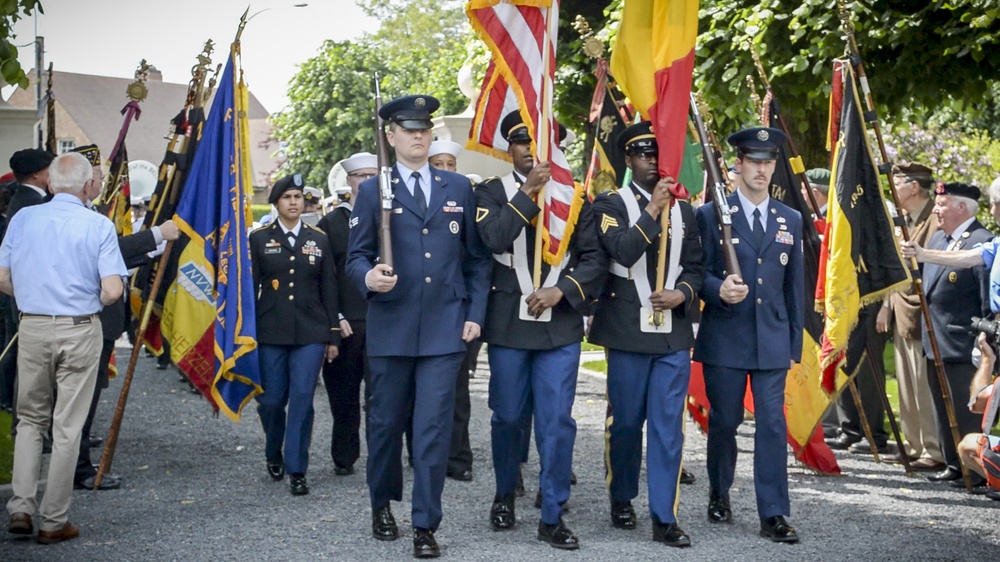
x=718 y=187
x=384 y=183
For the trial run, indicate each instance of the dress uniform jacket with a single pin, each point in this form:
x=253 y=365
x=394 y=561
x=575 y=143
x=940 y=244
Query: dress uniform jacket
x=297 y=299
x=616 y=323
x=906 y=306
x=500 y=222
x=24 y=196
x=336 y=225
x=435 y=293
x=955 y=295
x=134 y=248
x=764 y=331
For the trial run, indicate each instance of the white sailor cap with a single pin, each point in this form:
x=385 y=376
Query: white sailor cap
x=444 y=147
x=359 y=161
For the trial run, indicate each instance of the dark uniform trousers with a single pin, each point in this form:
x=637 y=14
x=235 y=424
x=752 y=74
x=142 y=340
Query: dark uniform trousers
x=343 y=376
x=460 y=454
x=297 y=311
x=868 y=388
x=648 y=373
x=954 y=296
x=756 y=338
x=534 y=365
x=113 y=317
x=414 y=342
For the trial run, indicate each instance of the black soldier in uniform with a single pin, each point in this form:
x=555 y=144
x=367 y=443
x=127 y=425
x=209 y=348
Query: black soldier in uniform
x=294 y=274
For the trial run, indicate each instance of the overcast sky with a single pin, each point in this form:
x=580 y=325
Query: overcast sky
x=110 y=37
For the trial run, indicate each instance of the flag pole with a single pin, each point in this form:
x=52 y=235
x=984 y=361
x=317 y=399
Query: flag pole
x=885 y=168
x=542 y=148
x=107 y=457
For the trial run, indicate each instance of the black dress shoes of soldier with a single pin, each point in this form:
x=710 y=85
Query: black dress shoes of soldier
x=718 y=508
x=778 y=530
x=622 y=515
x=502 y=516
x=670 y=534
x=687 y=477
x=342 y=470
x=384 y=525
x=424 y=545
x=946 y=475
x=298 y=485
x=276 y=469
x=461 y=475
x=558 y=536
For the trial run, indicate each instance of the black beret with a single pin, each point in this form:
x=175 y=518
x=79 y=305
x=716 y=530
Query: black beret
x=291 y=181
x=513 y=128
x=638 y=138
x=758 y=143
x=30 y=160
x=91 y=153
x=958 y=189
x=912 y=170
x=410 y=112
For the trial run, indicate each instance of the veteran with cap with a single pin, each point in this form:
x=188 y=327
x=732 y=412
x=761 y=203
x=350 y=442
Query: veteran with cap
x=751 y=328
x=421 y=313
x=294 y=275
x=649 y=366
x=534 y=334
x=819 y=187
x=960 y=281
x=342 y=377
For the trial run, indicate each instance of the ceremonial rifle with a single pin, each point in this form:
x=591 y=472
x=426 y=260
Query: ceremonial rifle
x=384 y=184
x=718 y=190
x=885 y=167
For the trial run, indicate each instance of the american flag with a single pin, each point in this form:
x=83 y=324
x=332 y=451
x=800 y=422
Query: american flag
x=521 y=35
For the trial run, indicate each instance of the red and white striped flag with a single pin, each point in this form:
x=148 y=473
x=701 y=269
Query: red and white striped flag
x=521 y=35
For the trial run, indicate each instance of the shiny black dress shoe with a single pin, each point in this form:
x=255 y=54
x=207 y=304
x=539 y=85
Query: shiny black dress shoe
x=276 y=470
x=778 y=530
x=977 y=481
x=622 y=515
x=424 y=544
x=719 y=510
x=842 y=441
x=384 y=525
x=108 y=482
x=687 y=477
x=298 y=485
x=670 y=534
x=461 y=475
x=558 y=536
x=863 y=448
x=502 y=517
x=342 y=470
x=94 y=441
x=946 y=475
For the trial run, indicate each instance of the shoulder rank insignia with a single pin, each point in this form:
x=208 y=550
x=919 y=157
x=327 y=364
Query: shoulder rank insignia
x=481 y=213
x=607 y=221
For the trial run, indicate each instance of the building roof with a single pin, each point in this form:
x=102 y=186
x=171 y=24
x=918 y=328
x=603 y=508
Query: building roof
x=94 y=103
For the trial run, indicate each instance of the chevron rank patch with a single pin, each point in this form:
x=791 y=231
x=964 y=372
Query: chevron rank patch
x=607 y=221
x=481 y=213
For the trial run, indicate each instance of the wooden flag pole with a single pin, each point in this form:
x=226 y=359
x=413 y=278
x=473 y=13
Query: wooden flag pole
x=116 y=423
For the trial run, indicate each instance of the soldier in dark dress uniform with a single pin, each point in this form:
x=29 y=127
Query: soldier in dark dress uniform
x=342 y=377
x=421 y=314
x=649 y=366
x=295 y=276
x=533 y=359
x=751 y=327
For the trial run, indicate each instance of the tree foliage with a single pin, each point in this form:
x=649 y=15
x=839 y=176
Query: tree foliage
x=331 y=115
x=10 y=12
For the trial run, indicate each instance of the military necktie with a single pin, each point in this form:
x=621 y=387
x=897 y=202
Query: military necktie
x=418 y=193
x=291 y=238
x=758 y=228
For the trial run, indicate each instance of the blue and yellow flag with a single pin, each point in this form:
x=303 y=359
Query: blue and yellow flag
x=208 y=315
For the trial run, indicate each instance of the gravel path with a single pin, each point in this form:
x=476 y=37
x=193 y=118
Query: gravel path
x=195 y=489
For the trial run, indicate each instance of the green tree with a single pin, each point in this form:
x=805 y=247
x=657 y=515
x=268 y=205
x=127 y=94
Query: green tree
x=331 y=114
x=10 y=12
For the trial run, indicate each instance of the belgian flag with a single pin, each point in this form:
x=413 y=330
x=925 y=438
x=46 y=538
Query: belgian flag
x=862 y=261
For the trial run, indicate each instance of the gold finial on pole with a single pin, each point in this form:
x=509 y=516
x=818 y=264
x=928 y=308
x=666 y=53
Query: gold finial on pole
x=137 y=91
x=592 y=46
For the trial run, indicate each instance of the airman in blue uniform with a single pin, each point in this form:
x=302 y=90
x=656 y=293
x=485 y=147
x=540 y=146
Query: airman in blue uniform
x=421 y=313
x=751 y=327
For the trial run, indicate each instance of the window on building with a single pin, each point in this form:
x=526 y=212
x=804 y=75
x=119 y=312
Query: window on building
x=65 y=145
